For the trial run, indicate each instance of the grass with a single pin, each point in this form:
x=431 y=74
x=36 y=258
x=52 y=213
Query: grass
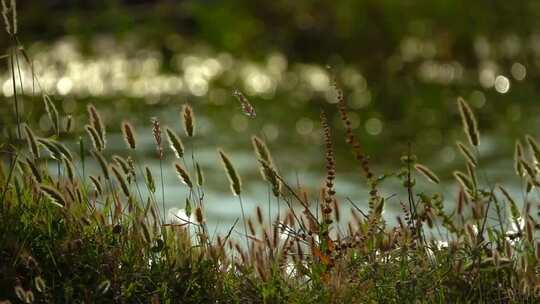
x=67 y=237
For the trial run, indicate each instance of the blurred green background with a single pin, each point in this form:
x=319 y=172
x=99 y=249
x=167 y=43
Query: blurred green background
x=402 y=64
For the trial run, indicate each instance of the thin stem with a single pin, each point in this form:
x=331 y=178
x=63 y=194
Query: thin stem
x=244 y=220
x=8 y=180
x=491 y=191
x=19 y=72
x=141 y=172
x=410 y=195
x=136 y=182
x=269 y=204
x=162 y=187
x=15 y=99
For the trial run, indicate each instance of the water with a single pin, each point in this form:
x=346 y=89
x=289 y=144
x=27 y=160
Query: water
x=222 y=207
x=138 y=84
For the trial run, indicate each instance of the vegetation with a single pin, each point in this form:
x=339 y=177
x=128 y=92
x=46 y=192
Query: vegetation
x=70 y=237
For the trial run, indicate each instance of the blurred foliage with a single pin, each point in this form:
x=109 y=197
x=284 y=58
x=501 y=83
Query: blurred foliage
x=365 y=32
x=374 y=37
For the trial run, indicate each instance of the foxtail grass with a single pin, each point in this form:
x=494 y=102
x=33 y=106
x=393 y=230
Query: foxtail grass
x=183 y=175
x=235 y=185
x=32 y=142
x=97 y=142
x=156 y=132
x=54 y=195
x=97 y=122
x=77 y=238
x=470 y=126
x=188 y=120
x=128 y=133
x=175 y=143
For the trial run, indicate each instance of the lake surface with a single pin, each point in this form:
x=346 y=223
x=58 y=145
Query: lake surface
x=137 y=84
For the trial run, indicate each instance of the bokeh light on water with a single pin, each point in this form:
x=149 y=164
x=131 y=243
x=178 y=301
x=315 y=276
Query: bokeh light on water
x=400 y=90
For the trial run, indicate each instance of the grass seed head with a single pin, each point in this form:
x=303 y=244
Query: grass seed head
x=97 y=184
x=35 y=171
x=52 y=148
x=199 y=215
x=129 y=134
x=95 y=138
x=183 y=175
x=470 y=126
x=175 y=143
x=518 y=155
x=102 y=163
x=53 y=194
x=469 y=156
x=52 y=112
x=32 y=142
x=156 y=133
x=200 y=175
x=464 y=181
x=534 y=147
x=188 y=120
x=427 y=173
x=70 y=169
x=261 y=149
x=121 y=180
x=234 y=179
x=150 y=182
x=97 y=122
